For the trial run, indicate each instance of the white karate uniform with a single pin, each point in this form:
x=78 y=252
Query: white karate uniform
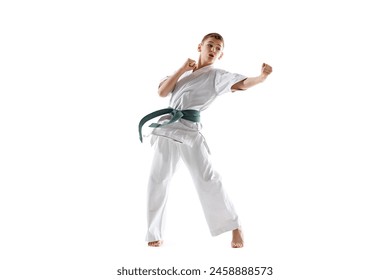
x=183 y=140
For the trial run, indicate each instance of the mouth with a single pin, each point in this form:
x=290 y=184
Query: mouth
x=211 y=55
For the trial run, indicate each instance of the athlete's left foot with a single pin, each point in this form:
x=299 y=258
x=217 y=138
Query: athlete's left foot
x=237 y=241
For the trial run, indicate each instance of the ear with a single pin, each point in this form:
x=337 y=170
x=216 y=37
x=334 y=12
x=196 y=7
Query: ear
x=221 y=55
x=199 y=47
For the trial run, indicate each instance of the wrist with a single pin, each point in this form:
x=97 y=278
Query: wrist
x=263 y=76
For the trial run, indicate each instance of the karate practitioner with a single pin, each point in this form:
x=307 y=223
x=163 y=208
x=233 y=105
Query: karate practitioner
x=192 y=88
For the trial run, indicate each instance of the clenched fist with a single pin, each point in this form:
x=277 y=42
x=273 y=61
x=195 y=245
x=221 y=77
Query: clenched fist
x=266 y=69
x=190 y=64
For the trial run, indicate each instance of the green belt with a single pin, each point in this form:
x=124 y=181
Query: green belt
x=190 y=115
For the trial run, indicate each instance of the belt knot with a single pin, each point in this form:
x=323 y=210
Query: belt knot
x=190 y=115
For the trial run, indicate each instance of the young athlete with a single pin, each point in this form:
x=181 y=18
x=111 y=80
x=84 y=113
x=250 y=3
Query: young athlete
x=192 y=88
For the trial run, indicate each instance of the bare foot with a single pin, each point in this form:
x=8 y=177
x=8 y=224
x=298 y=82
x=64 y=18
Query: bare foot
x=157 y=243
x=237 y=241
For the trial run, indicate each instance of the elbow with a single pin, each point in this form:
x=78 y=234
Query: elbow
x=241 y=85
x=162 y=93
x=238 y=87
x=163 y=89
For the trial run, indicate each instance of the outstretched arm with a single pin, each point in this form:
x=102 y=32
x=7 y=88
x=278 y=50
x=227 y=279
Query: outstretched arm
x=168 y=85
x=252 y=81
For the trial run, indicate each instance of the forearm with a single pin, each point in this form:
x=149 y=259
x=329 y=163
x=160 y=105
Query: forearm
x=169 y=84
x=252 y=81
x=249 y=82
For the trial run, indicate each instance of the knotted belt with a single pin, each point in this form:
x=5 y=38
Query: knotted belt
x=190 y=115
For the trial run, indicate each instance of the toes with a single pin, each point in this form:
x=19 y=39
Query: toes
x=155 y=243
x=237 y=245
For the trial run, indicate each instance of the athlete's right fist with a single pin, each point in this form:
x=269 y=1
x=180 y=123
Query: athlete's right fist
x=190 y=64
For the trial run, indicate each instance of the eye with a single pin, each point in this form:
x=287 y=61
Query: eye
x=210 y=45
x=218 y=48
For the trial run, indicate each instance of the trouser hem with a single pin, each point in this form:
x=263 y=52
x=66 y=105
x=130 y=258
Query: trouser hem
x=229 y=227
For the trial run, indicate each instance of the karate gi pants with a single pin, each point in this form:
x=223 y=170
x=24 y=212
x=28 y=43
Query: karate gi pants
x=218 y=210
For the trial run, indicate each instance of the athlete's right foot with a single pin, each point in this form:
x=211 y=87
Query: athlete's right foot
x=157 y=243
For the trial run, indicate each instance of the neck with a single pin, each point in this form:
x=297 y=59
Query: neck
x=201 y=65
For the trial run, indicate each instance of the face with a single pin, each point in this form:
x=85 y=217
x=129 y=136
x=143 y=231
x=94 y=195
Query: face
x=210 y=50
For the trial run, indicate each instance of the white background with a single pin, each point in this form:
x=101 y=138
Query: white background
x=304 y=156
